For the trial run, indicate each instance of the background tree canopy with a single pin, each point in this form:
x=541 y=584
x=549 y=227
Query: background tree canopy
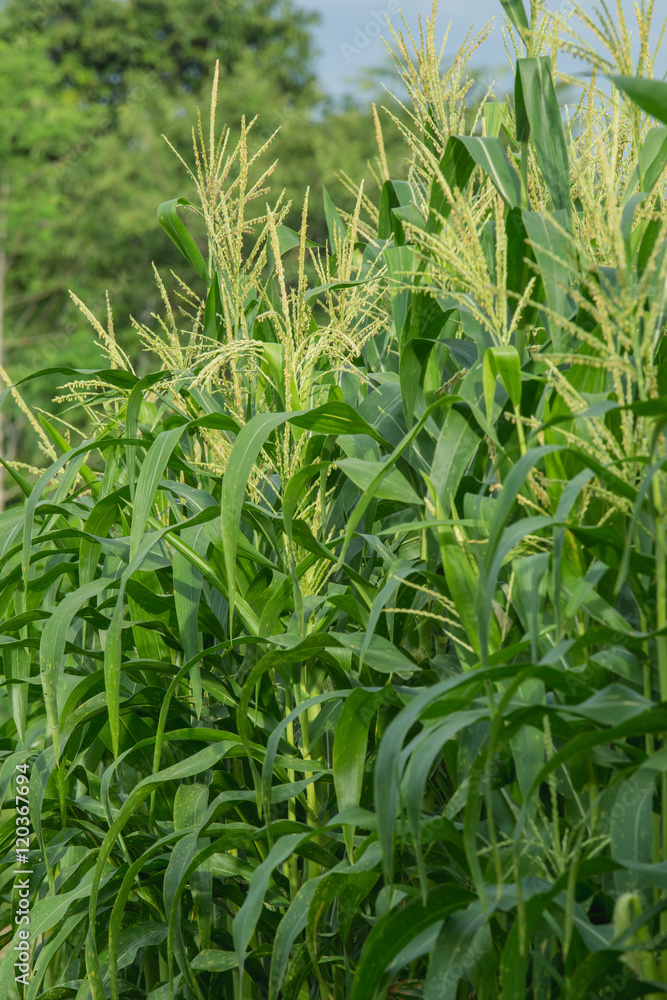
x=87 y=90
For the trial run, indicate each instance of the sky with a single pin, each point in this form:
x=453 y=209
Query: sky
x=350 y=34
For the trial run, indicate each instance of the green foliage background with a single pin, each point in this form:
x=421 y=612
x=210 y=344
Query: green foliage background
x=87 y=91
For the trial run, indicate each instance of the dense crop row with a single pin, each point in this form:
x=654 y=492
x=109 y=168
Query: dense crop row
x=338 y=649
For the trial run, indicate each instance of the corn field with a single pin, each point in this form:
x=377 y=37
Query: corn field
x=334 y=646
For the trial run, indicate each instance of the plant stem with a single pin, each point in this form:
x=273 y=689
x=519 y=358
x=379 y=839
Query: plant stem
x=661 y=640
x=338 y=983
x=520 y=431
x=151 y=969
x=661 y=583
x=311 y=791
x=524 y=175
x=291 y=866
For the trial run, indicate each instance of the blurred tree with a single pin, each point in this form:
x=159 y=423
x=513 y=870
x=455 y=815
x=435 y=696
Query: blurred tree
x=87 y=90
x=40 y=123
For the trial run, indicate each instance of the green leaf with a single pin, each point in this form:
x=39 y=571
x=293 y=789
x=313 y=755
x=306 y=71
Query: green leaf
x=515 y=958
x=349 y=751
x=167 y=214
x=52 y=647
x=391 y=485
x=398 y=571
x=132 y=412
x=20 y=480
x=462 y=154
x=247 y=446
x=370 y=492
x=214 y=310
x=402 y=263
x=335 y=225
x=17 y=673
x=396 y=929
x=295 y=979
x=59 y=993
x=113 y=376
x=349 y=889
x=136 y=937
x=652 y=163
x=174 y=883
x=489 y=154
x=649 y=95
x=190 y=805
x=289 y=928
x=454 y=953
x=199 y=762
x=425 y=752
x=292 y=497
x=495 y=116
x=246 y=919
x=336 y=418
x=214 y=961
x=457 y=443
x=631 y=824
x=613 y=705
x=503 y=362
x=187 y=594
x=152 y=471
x=63 y=445
x=272 y=744
x=332 y=286
x=516 y=12
x=417 y=362
x=380 y=654
x=606 y=967
x=395 y=194
x=537 y=106
x=455 y=169
x=553 y=251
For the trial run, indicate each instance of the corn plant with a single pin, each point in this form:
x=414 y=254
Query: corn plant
x=336 y=649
